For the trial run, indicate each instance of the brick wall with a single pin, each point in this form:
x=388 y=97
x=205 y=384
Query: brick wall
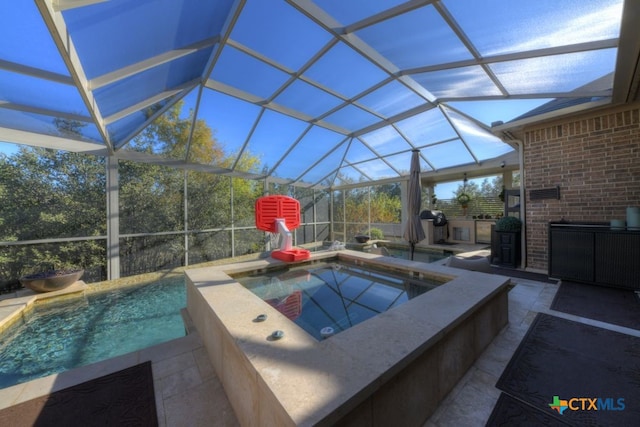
x=594 y=158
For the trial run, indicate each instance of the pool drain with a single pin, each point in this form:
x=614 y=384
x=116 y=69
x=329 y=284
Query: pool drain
x=326 y=332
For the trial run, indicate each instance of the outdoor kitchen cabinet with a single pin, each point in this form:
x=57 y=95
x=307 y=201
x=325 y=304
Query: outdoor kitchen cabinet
x=617 y=260
x=593 y=253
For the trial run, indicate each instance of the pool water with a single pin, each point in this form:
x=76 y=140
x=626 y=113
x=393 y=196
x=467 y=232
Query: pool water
x=61 y=336
x=419 y=255
x=334 y=295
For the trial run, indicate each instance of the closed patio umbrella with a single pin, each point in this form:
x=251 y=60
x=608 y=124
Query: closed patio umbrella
x=413 y=232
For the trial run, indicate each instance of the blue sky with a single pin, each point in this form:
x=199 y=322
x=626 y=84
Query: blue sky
x=7 y=148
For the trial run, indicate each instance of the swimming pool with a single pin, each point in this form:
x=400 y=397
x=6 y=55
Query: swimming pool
x=56 y=337
x=328 y=298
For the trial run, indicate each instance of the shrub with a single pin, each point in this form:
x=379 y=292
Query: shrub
x=376 y=234
x=508 y=223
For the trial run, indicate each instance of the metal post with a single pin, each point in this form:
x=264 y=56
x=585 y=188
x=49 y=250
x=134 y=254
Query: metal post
x=113 y=219
x=186 y=219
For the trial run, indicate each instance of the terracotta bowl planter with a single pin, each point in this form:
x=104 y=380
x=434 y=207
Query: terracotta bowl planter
x=53 y=280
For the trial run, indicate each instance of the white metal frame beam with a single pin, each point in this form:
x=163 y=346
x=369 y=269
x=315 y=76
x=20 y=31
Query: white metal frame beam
x=147 y=64
x=60 y=5
x=17 y=136
x=60 y=35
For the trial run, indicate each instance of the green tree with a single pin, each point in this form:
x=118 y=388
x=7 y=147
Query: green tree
x=380 y=204
x=152 y=196
x=51 y=194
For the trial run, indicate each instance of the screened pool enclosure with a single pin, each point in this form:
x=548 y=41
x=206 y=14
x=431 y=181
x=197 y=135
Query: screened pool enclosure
x=136 y=135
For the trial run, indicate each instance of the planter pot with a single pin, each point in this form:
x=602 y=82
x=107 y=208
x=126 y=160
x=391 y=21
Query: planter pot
x=505 y=248
x=51 y=280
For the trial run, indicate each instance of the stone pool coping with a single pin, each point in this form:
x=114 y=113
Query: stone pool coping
x=298 y=380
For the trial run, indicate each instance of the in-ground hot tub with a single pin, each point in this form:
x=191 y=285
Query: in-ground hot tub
x=395 y=367
x=327 y=297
